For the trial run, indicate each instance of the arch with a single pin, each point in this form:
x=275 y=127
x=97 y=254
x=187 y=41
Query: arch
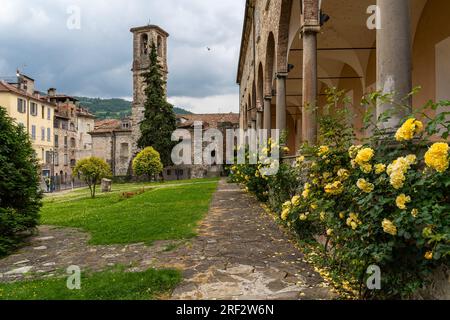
x=144 y=44
x=159 y=45
x=283 y=35
x=270 y=61
x=254 y=101
x=260 y=87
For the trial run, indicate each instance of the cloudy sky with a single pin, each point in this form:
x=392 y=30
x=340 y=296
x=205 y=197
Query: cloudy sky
x=95 y=60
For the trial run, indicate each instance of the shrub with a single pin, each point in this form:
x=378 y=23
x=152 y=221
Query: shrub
x=384 y=202
x=92 y=170
x=20 y=196
x=148 y=162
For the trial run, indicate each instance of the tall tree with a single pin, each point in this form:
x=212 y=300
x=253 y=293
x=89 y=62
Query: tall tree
x=159 y=118
x=20 y=194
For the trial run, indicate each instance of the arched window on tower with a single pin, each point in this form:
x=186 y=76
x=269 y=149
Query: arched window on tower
x=144 y=44
x=159 y=46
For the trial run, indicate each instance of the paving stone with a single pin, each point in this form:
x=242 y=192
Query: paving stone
x=22 y=270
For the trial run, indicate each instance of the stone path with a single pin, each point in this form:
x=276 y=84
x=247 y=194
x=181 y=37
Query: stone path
x=240 y=253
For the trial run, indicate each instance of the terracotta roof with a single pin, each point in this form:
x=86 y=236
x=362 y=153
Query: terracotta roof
x=212 y=120
x=109 y=125
x=6 y=87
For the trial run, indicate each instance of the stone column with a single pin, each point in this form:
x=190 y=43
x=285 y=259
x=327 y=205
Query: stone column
x=259 y=119
x=267 y=112
x=309 y=101
x=394 y=58
x=298 y=134
x=281 y=101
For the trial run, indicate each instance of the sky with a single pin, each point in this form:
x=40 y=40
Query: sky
x=84 y=47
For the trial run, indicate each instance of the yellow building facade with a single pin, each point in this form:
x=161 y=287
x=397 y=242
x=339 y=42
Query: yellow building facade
x=28 y=108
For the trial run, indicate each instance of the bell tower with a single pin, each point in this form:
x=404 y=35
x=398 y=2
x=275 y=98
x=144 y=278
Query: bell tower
x=143 y=37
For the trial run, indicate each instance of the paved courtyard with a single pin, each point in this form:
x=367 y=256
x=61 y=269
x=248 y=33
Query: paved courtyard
x=239 y=253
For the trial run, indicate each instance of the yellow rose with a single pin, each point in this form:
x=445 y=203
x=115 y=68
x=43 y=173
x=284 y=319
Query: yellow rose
x=380 y=168
x=365 y=186
x=330 y=232
x=437 y=157
x=389 y=227
x=402 y=200
x=366 y=167
x=364 y=156
x=285 y=214
x=322 y=216
x=303 y=217
x=334 y=188
x=343 y=174
x=295 y=200
x=342 y=215
x=429 y=255
x=323 y=150
x=314 y=206
x=410 y=128
x=415 y=213
x=353 y=151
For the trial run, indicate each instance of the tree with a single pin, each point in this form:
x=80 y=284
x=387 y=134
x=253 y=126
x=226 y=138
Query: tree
x=20 y=194
x=92 y=170
x=147 y=162
x=159 y=117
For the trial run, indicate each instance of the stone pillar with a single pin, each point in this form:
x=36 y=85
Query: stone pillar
x=394 y=58
x=259 y=119
x=298 y=134
x=281 y=101
x=267 y=112
x=309 y=113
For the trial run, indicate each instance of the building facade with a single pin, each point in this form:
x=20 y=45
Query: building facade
x=29 y=108
x=72 y=125
x=220 y=122
x=293 y=51
x=112 y=140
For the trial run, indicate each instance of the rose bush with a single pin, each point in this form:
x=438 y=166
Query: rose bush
x=384 y=202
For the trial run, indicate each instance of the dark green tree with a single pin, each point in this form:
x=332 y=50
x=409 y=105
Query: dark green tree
x=20 y=195
x=159 y=117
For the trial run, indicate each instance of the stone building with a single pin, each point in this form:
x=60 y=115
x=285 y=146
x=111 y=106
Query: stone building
x=28 y=107
x=112 y=140
x=221 y=122
x=292 y=51
x=143 y=37
x=72 y=125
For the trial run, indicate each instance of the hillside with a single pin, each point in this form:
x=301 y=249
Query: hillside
x=113 y=108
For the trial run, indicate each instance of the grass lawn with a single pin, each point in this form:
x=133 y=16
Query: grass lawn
x=166 y=211
x=109 y=285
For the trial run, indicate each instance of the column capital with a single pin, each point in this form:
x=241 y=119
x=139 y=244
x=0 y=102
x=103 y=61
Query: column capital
x=268 y=98
x=283 y=74
x=310 y=28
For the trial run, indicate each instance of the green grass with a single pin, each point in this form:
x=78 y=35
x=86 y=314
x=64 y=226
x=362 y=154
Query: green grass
x=169 y=211
x=109 y=285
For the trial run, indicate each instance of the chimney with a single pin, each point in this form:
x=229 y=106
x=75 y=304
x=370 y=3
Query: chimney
x=51 y=92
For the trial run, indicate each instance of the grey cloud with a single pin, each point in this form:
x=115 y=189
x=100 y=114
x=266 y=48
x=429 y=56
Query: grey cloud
x=96 y=60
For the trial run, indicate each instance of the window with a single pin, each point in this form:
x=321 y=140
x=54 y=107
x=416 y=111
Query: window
x=49 y=114
x=56 y=140
x=73 y=143
x=66 y=159
x=43 y=134
x=159 y=46
x=169 y=172
x=72 y=127
x=48 y=157
x=56 y=159
x=49 y=132
x=144 y=44
x=33 y=109
x=124 y=150
x=33 y=132
x=21 y=105
x=65 y=141
x=89 y=127
x=43 y=112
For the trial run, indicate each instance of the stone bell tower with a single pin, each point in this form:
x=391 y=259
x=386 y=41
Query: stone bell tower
x=143 y=37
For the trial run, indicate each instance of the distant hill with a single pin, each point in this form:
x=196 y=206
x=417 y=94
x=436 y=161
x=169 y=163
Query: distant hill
x=113 y=108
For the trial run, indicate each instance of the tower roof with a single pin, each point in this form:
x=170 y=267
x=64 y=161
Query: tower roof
x=148 y=28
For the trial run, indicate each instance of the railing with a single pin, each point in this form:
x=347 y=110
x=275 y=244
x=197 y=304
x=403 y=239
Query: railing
x=58 y=183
